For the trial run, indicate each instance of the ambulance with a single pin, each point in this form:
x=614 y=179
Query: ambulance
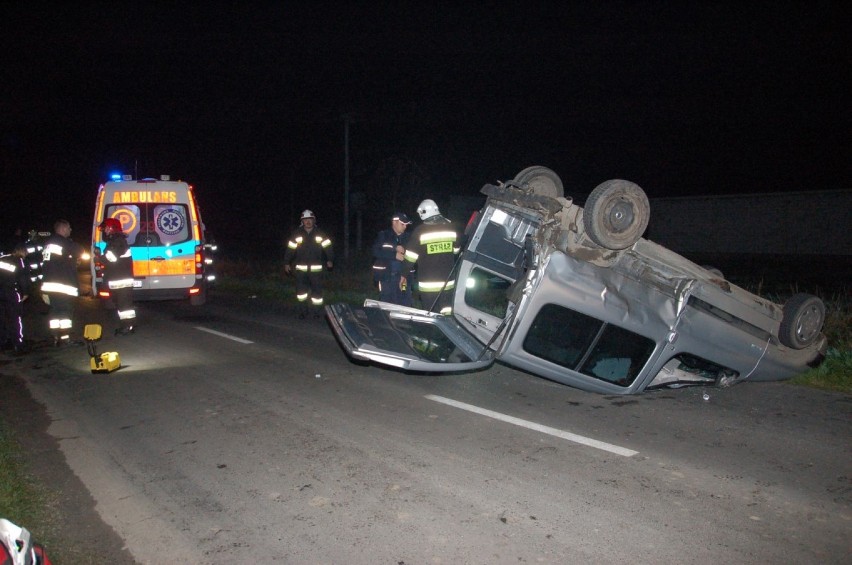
x=162 y=221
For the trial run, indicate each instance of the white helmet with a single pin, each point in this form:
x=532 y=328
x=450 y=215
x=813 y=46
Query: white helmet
x=427 y=209
x=308 y=214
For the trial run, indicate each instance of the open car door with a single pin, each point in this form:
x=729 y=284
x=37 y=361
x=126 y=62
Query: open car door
x=406 y=338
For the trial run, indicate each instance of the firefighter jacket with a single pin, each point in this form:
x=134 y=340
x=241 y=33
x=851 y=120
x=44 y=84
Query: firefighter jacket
x=305 y=250
x=59 y=265
x=385 y=263
x=35 y=256
x=432 y=251
x=14 y=281
x=118 y=263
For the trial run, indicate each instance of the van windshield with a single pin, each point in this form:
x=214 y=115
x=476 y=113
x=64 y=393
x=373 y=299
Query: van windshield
x=152 y=224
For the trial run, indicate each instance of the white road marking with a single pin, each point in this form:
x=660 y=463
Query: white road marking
x=220 y=334
x=536 y=427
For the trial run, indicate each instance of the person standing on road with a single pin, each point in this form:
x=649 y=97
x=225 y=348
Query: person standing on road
x=14 y=290
x=309 y=252
x=432 y=251
x=60 y=285
x=118 y=274
x=389 y=269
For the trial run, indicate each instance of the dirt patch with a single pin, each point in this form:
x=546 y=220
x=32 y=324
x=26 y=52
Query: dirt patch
x=85 y=538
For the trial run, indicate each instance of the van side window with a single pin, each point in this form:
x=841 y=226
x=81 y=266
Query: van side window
x=587 y=345
x=618 y=356
x=487 y=292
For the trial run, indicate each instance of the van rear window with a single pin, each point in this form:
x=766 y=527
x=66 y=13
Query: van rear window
x=152 y=224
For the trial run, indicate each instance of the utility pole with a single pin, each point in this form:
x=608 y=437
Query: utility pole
x=346 y=119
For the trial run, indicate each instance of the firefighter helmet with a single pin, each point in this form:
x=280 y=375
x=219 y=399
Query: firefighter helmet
x=427 y=209
x=110 y=226
x=308 y=214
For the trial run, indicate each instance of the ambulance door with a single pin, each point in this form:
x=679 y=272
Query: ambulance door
x=134 y=223
x=171 y=246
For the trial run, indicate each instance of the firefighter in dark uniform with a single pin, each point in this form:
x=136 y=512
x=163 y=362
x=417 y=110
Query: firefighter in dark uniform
x=432 y=251
x=60 y=286
x=35 y=256
x=14 y=289
x=389 y=267
x=33 y=261
x=118 y=274
x=309 y=253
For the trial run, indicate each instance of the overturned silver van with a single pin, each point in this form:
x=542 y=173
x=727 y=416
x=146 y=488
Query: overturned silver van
x=576 y=295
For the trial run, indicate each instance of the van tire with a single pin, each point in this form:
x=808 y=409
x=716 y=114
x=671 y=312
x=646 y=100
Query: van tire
x=541 y=181
x=804 y=315
x=616 y=214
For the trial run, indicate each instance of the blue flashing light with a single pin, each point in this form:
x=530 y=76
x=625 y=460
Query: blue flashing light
x=115 y=176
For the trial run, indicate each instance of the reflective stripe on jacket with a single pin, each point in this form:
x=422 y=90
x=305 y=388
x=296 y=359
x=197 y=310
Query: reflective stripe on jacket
x=59 y=265
x=118 y=267
x=308 y=249
x=432 y=249
x=384 y=253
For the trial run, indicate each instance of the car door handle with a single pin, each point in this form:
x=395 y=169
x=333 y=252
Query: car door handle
x=158 y=259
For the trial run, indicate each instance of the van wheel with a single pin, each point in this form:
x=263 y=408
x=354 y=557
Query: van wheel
x=804 y=315
x=199 y=299
x=616 y=214
x=541 y=181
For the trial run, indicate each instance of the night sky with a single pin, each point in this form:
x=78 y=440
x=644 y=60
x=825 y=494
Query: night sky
x=247 y=101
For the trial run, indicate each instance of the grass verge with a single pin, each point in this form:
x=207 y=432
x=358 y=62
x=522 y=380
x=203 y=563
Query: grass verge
x=23 y=499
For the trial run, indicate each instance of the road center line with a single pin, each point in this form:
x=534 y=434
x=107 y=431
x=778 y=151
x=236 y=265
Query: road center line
x=536 y=427
x=220 y=334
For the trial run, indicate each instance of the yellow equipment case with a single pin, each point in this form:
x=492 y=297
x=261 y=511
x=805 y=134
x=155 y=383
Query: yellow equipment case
x=103 y=362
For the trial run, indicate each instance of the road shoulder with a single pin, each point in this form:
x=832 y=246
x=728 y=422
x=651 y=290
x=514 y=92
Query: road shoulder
x=86 y=537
